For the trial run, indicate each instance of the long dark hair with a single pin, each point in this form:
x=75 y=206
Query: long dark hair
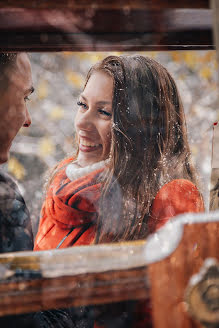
x=149 y=144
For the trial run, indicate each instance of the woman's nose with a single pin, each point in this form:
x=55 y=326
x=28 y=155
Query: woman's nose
x=85 y=121
x=27 y=121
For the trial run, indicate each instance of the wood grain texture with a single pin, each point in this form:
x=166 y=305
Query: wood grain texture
x=86 y=4
x=104 y=30
x=109 y=273
x=169 y=278
x=100 y=288
x=72 y=277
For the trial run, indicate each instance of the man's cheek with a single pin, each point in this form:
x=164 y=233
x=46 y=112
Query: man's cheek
x=16 y=119
x=11 y=112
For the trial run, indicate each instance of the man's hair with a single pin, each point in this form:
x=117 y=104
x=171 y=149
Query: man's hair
x=7 y=60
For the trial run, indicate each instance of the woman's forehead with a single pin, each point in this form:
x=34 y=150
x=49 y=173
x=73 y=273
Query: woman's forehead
x=99 y=87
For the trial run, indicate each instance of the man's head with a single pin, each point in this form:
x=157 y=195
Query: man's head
x=15 y=87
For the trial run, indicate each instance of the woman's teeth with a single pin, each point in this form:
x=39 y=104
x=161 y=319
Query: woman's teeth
x=89 y=144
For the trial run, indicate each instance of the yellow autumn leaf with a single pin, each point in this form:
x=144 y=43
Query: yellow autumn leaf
x=42 y=89
x=176 y=56
x=75 y=79
x=190 y=59
x=46 y=147
x=56 y=113
x=96 y=57
x=206 y=73
x=215 y=64
x=208 y=57
x=66 y=54
x=83 y=55
x=16 y=168
x=152 y=54
x=116 y=53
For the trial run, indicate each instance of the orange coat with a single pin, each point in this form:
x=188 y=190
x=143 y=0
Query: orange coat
x=70 y=209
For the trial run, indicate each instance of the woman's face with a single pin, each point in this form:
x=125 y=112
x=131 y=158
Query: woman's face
x=94 y=119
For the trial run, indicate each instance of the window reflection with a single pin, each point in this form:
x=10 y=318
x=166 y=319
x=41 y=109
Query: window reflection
x=59 y=79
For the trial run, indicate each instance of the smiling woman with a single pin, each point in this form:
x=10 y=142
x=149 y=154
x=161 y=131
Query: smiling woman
x=132 y=169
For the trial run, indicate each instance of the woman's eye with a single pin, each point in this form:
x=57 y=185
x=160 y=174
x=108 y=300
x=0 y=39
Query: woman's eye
x=104 y=112
x=81 y=104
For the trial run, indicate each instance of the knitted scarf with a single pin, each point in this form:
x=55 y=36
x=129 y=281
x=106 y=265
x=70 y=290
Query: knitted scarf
x=71 y=208
x=69 y=211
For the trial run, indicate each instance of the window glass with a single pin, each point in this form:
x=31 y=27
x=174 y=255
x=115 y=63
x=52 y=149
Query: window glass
x=58 y=81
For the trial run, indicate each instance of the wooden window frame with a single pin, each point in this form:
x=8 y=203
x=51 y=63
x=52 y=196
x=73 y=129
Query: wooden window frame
x=43 y=280
x=105 y=25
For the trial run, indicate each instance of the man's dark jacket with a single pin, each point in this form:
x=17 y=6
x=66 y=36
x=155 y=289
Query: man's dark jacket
x=15 y=224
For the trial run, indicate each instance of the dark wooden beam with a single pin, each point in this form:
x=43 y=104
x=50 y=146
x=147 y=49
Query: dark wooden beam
x=98 y=4
x=72 y=277
x=68 y=291
x=81 y=30
x=100 y=274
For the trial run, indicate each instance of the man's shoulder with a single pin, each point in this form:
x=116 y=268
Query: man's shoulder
x=14 y=217
x=8 y=187
x=6 y=178
x=11 y=201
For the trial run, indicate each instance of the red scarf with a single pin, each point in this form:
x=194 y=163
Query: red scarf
x=69 y=205
x=71 y=208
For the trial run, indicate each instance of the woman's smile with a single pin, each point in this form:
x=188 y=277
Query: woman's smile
x=93 y=121
x=88 y=146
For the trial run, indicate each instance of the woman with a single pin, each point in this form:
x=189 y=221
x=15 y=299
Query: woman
x=132 y=170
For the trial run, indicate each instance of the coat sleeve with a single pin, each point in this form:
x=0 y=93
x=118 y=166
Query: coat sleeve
x=176 y=197
x=15 y=223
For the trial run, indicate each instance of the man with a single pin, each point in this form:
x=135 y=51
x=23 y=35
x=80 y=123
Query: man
x=15 y=88
x=15 y=225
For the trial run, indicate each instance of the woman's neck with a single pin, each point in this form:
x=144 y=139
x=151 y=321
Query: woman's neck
x=75 y=171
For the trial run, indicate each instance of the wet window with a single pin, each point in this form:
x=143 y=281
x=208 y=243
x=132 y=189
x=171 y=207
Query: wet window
x=59 y=80
x=108 y=151
x=113 y=146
